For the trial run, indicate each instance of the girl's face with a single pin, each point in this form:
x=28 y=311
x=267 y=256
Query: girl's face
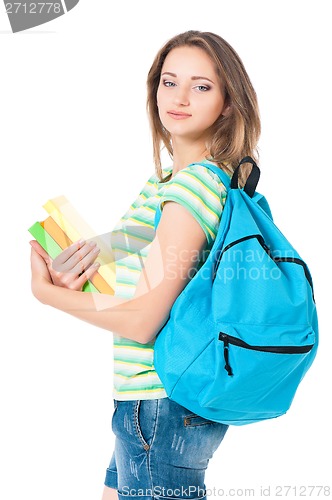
x=189 y=96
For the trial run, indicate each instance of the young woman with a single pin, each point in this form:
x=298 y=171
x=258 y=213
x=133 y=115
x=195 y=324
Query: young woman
x=202 y=108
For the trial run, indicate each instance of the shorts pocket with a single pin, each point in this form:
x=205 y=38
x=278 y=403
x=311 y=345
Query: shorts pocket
x=115 y=405
x=192 y=420
x=140 y=424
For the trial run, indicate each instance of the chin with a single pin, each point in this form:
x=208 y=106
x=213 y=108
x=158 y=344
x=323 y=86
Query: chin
x=188 y=135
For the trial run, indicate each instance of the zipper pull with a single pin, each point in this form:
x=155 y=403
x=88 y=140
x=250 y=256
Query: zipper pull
x=224 y=338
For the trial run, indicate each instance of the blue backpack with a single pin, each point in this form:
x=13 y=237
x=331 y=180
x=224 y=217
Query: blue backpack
x=243 y=332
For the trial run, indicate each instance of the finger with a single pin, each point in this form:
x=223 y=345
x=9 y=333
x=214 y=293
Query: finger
x=68 y=259
x=74 y=263
x=40 y=250
x=36 y=256
x=88 y=273
x=69 y=252
x=87 y=260
x=38 y=264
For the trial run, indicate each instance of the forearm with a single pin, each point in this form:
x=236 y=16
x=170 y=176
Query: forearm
x=124 y=317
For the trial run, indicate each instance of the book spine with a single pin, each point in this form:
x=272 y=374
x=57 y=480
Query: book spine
x=52 y=228
x=45 y=240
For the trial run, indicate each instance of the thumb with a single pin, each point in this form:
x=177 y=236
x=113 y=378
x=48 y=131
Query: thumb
x=39 y=249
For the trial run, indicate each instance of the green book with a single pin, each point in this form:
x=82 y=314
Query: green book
x=53 y=249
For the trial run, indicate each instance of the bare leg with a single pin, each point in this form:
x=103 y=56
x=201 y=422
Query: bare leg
x=109 y=494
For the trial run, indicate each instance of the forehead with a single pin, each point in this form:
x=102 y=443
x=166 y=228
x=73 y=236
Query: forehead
x=191 y=60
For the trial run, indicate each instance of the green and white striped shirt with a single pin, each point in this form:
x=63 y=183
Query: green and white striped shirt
x=199 y=190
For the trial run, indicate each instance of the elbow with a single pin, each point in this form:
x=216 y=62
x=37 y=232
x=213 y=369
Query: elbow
x=136 y=329
x=147 y=338
x=149 y=329
x=150 y=319
x=146 y=333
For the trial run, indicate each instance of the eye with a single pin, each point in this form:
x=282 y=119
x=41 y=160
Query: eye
x=167 y=83
x=202 y=88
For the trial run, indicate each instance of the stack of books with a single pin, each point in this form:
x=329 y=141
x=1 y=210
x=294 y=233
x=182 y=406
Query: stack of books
x=61 y=228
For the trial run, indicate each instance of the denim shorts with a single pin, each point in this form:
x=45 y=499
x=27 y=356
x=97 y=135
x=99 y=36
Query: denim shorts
x=161 y=451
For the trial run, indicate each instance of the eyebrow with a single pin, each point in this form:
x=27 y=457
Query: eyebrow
x=193 y=77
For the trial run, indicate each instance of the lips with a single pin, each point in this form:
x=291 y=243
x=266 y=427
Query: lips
x=178 y=115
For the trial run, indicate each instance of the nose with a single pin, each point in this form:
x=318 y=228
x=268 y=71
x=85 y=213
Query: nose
x=181 y=96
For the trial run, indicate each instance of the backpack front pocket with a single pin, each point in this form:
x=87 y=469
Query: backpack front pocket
x=230 y=340
x=257 y=378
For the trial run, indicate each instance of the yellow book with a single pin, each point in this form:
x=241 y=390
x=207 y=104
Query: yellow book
x=52 y=228
x=71 y=222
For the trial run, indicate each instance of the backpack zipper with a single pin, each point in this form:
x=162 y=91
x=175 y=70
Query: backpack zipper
x=229 y=339
x=265 y=247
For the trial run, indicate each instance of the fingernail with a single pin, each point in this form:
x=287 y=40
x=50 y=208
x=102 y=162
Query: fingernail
x=92 y=244
x=96 y=264
x=81 y=242
x=96 y=250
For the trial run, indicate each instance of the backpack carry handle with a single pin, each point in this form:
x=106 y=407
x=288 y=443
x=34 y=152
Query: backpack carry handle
x=253 y=178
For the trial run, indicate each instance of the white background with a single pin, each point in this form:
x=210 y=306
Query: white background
x=73 y=122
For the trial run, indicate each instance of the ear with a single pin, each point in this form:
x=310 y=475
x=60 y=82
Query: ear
x=227 y=110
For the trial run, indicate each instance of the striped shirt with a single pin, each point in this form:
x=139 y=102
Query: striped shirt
x=199 y=190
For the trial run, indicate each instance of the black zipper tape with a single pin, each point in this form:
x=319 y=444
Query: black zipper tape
x=265 y=247
x=229 y=339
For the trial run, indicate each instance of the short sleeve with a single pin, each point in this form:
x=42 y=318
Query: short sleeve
x=202 y=193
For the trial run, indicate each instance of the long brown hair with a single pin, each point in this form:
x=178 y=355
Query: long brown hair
x=233 y=136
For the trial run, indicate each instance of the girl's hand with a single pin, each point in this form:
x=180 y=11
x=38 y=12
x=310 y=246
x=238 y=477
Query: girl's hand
x=71 y=269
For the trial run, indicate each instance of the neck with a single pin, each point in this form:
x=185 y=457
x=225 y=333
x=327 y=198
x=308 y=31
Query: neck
x=184 y=154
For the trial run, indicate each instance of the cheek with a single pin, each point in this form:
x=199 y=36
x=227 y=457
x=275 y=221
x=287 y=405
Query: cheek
x=160 y=96
x=215 y=109
x=209 y=115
